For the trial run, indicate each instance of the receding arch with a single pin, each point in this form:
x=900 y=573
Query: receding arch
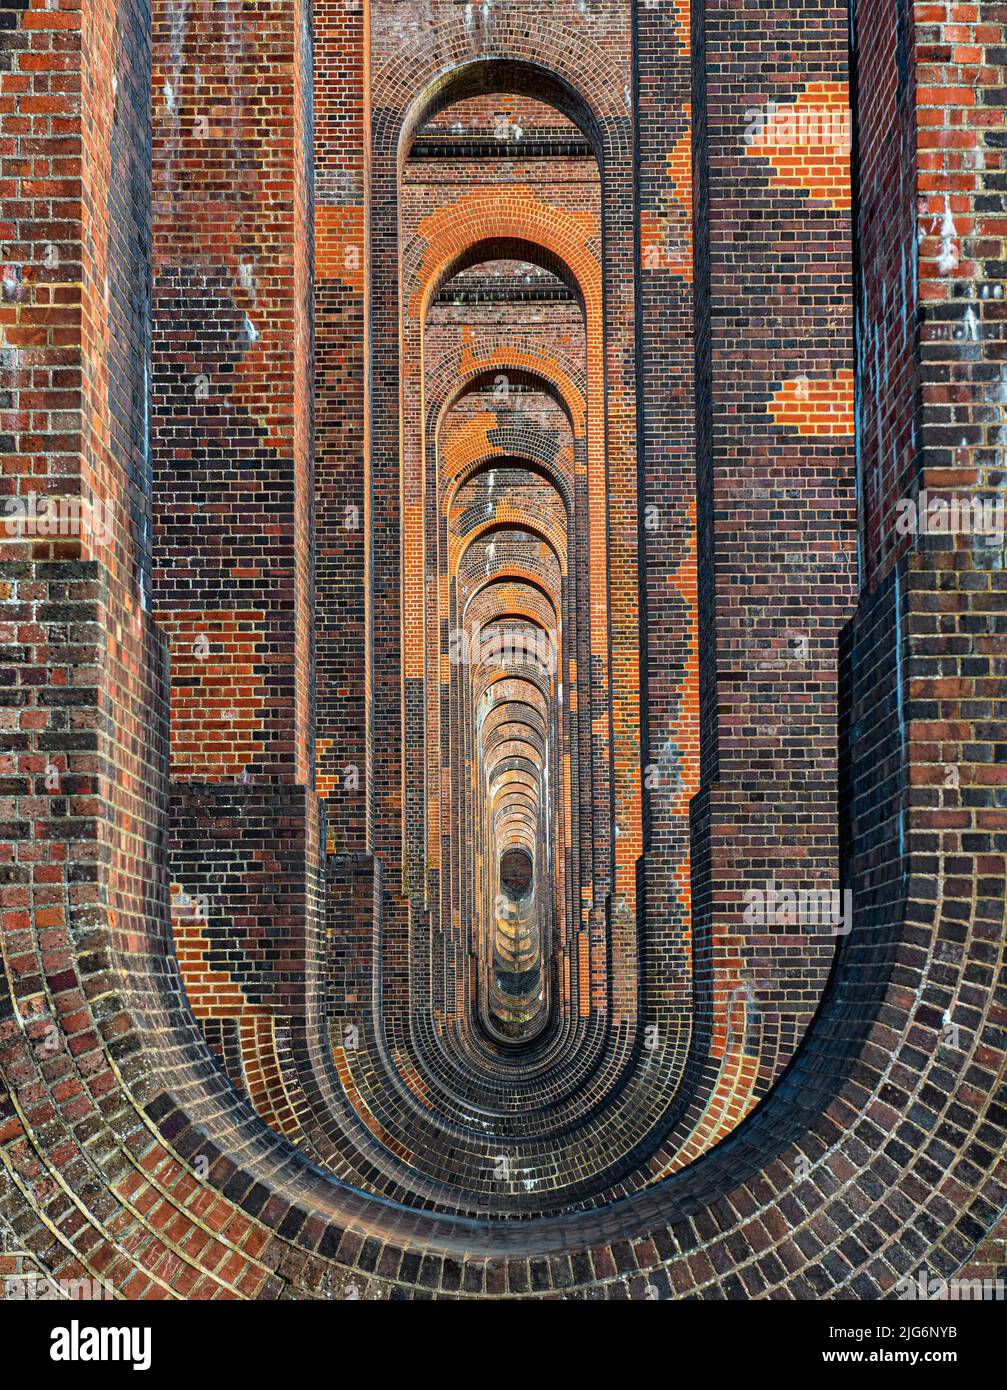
x=506 y=75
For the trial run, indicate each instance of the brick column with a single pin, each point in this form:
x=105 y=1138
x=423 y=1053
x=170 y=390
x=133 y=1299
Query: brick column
x=775 y=473
x=232 y=430
x=84 y=769
x=340 y=273
x=670 y=660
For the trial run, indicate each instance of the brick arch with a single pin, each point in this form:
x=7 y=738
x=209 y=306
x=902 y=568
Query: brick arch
x=527 y=686
x=471 y=467
x=514 y=819
x=516 y=777
x=482 y=685
x=529 y=739
x=469 y=359
x=516 y=763
x=532 y=679
x=509 y=799
x=483 y=630
x=456 y=237
x=518 y=544
x=618 y=182
x=459 y=384
x=513 y=702
x=494 y=618
x=443 y=71
x=506 y=624
x=514 y=519
x=523 y=576
x=507 y=741
x=486 y=679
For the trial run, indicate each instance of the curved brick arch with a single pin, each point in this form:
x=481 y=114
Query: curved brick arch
x=509 y=574
x=525 y=789
x=454 y=385
x=512 y=741
x=520 y=782
x=471 y=471
x=509 y=705
x=527 y=618
x=450 y=377
x=508 y=583
x=511 y=805
x=523 y=228
x=471 y=468
x=584 y=665
x=524 y=683
x=520 y=522
x=530 y=678
x=880 y=1148
x=441 y=71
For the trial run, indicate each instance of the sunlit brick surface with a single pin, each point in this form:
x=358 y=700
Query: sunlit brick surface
x=501 y=601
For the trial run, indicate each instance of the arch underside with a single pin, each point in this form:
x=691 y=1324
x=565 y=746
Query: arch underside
x=412 y=916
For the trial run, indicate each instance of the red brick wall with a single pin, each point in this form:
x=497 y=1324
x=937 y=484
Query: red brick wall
x=776 y=519
x=340 y=507
x=231 y=408
x=129 y=1152
x=232 y=416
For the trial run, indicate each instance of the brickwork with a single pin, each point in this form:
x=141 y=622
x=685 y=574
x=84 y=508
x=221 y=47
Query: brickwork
x=231 y=422
x=340 y=505
x=776 y=577
x=506 y=592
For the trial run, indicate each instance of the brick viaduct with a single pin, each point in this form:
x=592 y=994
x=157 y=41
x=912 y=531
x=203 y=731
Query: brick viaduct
x=484 y=430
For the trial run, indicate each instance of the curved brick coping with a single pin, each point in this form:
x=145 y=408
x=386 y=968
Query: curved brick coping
x=903 y=1141
x=860 y=1102
x=806 y=1114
